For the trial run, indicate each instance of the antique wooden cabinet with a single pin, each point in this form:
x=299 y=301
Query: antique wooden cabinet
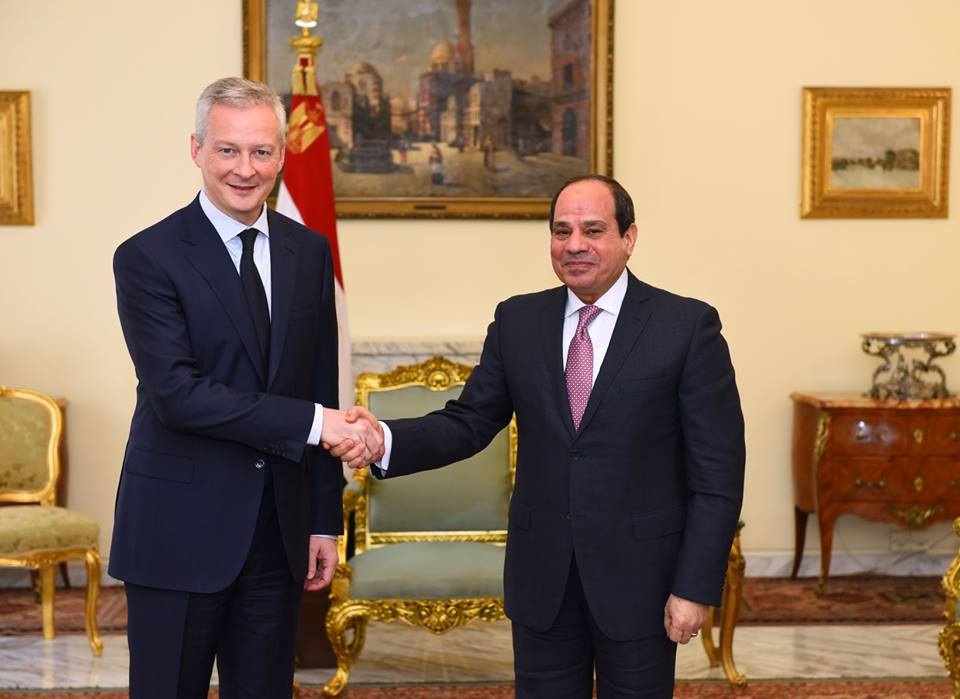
x=885 y=460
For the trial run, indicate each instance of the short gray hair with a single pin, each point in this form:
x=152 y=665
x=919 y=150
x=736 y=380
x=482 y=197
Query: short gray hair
x=242 y=93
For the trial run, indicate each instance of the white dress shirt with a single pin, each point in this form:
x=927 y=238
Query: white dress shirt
x=600 y=329
x=229 y=230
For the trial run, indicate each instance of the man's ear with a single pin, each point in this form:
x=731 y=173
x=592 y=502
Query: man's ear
x=195 y=149
x=630 y=238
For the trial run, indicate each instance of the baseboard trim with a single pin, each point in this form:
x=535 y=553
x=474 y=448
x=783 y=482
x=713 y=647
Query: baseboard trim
x=778 y=565
x=759 y=565
x=77 y=570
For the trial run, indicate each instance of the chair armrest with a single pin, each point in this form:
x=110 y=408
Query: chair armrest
x=352 y=493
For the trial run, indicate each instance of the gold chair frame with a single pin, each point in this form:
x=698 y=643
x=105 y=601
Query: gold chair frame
x=720 y=653
x=949 y=640
x=435 y=615
x=46 y=561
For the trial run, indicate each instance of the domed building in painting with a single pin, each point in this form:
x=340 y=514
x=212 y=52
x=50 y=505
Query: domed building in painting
x=444 y=87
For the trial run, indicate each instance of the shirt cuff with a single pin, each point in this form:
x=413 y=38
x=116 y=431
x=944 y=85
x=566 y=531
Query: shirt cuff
x=325 y=536
x=384 y=463
x=316 y=429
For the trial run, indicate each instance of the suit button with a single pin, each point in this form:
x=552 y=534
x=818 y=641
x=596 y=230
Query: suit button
x=576 y=453
x=567 y=516
x=259 y=464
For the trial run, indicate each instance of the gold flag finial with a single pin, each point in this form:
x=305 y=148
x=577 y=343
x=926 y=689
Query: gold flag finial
x=304 y=79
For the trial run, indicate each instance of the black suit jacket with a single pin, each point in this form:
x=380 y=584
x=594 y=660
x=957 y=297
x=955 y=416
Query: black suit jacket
x=209 y=422
x=646 y=494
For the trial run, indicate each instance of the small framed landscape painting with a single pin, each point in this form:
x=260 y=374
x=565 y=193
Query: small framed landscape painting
x=875 y=152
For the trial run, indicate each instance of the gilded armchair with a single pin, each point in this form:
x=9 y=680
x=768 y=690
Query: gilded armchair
x=34 y=532
x=720 y=651
x=428 y=548
x=950 y=633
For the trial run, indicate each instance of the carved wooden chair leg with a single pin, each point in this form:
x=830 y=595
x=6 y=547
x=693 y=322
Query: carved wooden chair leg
x=341 y=618
x=728 y=624
x=48 y=581
x=93 y=596
x=706 y=636
x=732 y=594
x=358 y=625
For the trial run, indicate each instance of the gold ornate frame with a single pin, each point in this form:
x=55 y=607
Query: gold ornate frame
x=46 y=561
x=16 y=177
x=350 y=616
x=255 y=57
x=822 y=105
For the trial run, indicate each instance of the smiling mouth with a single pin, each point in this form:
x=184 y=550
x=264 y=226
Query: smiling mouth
x=242 y=188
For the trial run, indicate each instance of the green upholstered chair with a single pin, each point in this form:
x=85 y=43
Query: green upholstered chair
x=34 y=532
x=428 y=548
x=950 y=633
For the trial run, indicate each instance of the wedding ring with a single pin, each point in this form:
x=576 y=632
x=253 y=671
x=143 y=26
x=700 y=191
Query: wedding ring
x=695 y=633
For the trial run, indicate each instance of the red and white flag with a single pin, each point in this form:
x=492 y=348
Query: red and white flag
x=306 y=195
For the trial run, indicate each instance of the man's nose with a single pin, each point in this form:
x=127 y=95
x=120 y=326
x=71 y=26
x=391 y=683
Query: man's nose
x=576 y=242
x=244 y=166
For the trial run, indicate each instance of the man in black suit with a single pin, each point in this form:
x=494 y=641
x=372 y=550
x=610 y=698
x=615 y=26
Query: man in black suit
x=227 y=310
x=630 y=465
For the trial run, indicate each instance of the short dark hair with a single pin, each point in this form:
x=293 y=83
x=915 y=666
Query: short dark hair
x=622 y=203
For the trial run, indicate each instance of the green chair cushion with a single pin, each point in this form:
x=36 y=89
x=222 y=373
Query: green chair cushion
x=24 y=441
x=428 y=570
x=30 y=528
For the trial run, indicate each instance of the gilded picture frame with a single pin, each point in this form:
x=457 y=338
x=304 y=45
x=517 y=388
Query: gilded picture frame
x=553 y=122
x=875 y=152
x=16 y=178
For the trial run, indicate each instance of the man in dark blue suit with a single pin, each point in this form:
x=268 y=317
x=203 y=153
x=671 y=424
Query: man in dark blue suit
x=630 y=465
x=226 y=502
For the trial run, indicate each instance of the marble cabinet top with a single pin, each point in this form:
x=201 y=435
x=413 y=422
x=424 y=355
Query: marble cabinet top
x=852 y=399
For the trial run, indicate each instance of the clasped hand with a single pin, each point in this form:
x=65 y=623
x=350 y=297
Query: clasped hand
x=355 y=437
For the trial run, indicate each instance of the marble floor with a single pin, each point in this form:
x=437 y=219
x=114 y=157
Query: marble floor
x=481 y=652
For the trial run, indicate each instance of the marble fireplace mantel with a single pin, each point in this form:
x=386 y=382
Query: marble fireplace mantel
x=384 y=354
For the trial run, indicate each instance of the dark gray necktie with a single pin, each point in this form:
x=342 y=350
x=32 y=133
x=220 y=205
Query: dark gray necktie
x=256 y=297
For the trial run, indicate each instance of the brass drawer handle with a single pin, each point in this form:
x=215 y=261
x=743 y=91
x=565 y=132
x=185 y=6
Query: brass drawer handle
x=860 y=483
x=953 y=435
x=918 y=436
x=918 y=483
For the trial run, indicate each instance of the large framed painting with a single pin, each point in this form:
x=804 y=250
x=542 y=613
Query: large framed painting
x=16 y=179
x=451 y=108
x=875 y=152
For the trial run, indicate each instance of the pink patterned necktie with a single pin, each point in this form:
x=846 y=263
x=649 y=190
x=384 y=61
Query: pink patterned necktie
x=580 y=365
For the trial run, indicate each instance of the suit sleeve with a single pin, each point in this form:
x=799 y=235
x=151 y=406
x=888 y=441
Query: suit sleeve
x=713 y=432
x=326 y=473
x=464 y=426
x=157 y=337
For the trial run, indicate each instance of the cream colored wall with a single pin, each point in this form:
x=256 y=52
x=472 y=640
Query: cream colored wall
x=707 y=138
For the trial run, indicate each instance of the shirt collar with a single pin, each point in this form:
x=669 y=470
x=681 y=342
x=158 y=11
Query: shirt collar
x=229 y=228
x=610 y=302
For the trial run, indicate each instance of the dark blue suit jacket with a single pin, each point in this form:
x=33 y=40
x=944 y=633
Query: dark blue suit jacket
x=208 y=422
x=646 y=494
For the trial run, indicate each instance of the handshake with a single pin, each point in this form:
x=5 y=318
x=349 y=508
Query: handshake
x=355 y=437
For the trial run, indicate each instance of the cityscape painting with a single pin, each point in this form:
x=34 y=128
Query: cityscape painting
x=451 y=107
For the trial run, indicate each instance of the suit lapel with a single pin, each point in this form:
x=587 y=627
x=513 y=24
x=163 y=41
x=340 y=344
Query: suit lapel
x=630 y=323
x=552 y=336
x=283 y=272
x=208 y=255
